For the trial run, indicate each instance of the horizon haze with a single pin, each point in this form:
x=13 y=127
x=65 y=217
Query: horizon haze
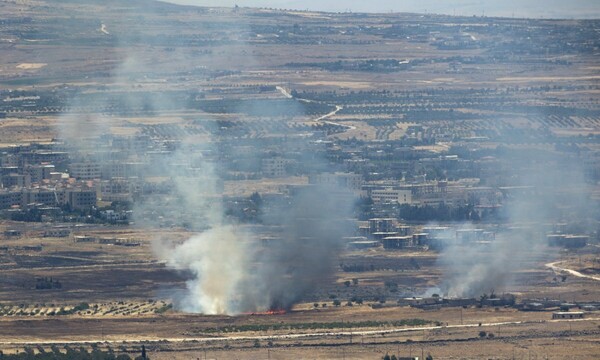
x=581 y=9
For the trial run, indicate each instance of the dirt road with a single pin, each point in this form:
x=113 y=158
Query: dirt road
x=554 y=266
x=314 y=335
x=285 y=93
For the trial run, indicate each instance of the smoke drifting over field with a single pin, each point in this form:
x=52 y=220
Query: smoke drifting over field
x=232 y=270
x=541 y=190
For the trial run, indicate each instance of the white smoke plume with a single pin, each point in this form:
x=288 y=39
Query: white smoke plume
x=229 y=269
x=218 y=263
x=542 y=189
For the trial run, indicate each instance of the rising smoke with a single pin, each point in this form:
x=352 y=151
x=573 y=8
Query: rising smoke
x=231 y=270
x=234 y=271
x=541 y=188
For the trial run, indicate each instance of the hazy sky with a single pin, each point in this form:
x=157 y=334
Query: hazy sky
x=520 y=8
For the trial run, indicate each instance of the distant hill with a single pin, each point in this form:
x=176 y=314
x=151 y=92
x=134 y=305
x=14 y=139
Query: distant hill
x=520 y=8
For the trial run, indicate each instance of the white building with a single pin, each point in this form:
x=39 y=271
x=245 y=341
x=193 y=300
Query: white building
x=391 y=195
x=85 y=171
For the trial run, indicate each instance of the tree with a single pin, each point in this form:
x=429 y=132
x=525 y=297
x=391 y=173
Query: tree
x=482 y=334
x=482 y=298
x=347 y=283
x=336 y=302
x=256 y=199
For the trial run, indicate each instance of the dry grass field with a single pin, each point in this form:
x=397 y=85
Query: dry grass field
x=207 y=74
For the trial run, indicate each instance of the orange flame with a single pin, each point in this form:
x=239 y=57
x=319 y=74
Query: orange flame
x=268 y=312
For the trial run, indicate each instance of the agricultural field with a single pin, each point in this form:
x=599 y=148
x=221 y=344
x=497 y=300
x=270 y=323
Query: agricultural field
x=239 y=163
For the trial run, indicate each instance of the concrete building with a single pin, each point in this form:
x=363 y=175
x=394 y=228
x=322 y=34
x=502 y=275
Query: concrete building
x=568 y=315
x=396 y=242
x=81 y=199
x=111 y=215
x=273 y=167
x=9 y=199
x=39 y=196
x=137 y=144
x=391 y=195
x=420 y=238
x=403 y=230
x=567 y=241
x=84 y=239
x=119 y=169
x=469 y=235
x=44 y=156
x=85 y=170
x=15 y=180
x=483 y=196
x=37 y=173
x=116 y=189
x=349 y=181
x=380 y=235
x=387 y=225
x=57 y=232
x=12 y=233
x=364 y=244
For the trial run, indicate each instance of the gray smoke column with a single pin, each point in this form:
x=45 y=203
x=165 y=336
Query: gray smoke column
x=543 y=188
x=304 y=256
x=233 y=272
x=230 y=269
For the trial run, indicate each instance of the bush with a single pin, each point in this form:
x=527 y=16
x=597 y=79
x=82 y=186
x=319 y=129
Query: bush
x=164 y=309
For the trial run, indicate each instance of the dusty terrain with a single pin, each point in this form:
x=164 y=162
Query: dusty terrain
x=59 y=57
x=128 y=296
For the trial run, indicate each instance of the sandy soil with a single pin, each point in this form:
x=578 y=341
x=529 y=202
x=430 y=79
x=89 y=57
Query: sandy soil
x=30 y=66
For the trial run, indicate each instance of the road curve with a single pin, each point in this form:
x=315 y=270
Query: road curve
x=554 y=266
x=285 y=93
